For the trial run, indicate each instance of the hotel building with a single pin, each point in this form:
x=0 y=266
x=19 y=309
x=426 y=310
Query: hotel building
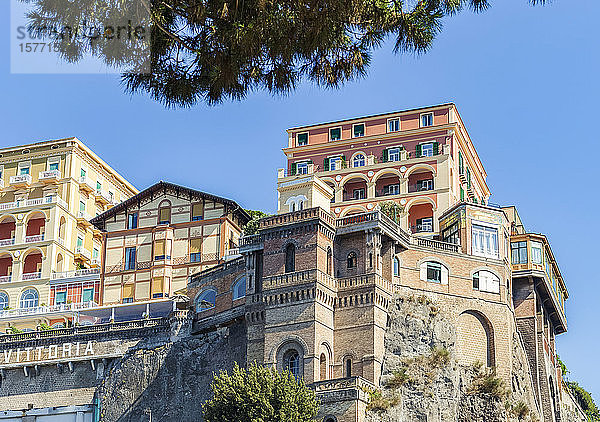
x=49 y=251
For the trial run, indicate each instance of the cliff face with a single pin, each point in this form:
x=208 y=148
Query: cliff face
x=169 y=381
x=422 y=380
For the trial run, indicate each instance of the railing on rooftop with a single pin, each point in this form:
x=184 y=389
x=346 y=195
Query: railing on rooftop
x=40 y=310
x=75 y=273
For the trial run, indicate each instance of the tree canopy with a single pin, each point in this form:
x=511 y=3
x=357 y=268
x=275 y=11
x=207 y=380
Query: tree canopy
x=259 y=394
x=252 y=226
x=216 y=50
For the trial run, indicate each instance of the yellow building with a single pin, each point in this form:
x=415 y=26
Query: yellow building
x=49 y=251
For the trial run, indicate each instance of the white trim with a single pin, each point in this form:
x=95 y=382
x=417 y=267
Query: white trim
x=387 y=125
x=421 y=119
x=364 y=130
x=307 y=138
x=329 y=134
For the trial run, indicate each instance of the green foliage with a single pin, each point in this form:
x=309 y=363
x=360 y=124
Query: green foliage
x=585 y=400
x=259 y=394
x=392 y=210
x=13 y=330
x=400 y=377
x=563 y=367
x=215 y=50
x=518 y=409
x=379 y=403
x=252 y=226
x=485 y=381
x=44 y=327
x=440 y=356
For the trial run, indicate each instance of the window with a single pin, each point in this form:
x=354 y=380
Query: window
x=302 y=168
x=98 y=186
x=206 y=300
x=132 y=220
x=394 y=154
x=60 y=298
x=451 y=234
x=239 y=288
x=424 y=224
x=82 y=206
x=486 y=281
x=519 y=252
x=87 y=295
x=290 y=258
x=291 y=362
x=24 y=170
x=335 y=133
x=426 y=119
x=484 y=241
x=302 y=139
x=424 y=185
x=393 y=125
x=164 y=214
x=358 y=161
x=195 y=255
x=426 y=150
x=197 y=212
x=156 y=287
x=348 y=369
x=536 y=252
x=358 y=130
x=391 y=189
x=4 y=302
x=352 y=260
x=434 y=272
x=95 y=253
x=79 y=243
x=329 y=261
x=129 y=259
x=53 y=166
x=358 y=193
x=159 y=250
x=333 y=163
x=128 y=290
x=396 y=266
x=29 y=298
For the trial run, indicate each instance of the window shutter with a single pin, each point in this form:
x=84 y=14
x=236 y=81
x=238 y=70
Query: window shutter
x=128 y=291
x=157 y=285
x=423 y=272
x=385 y=155
x=462 y=194
x=444 y=275
x=468 y=178
x=293 y=169
x=165 y=214
x=197 y=210
x=159 y=247
x=436 y=148
x=418 y=151
x=460 y=162
x=326 y=164
x=195 y=245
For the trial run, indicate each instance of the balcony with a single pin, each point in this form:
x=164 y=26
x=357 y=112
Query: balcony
x=5 y=279
x=76 y=274
x=83 y=219
x=82 y=254
x=422 y=228
x=85 y=184
x=1 y=184
x=102 y=197
x=40 y=310
x=7 y=242
x=20 y=181
x=31 y=276
x=49 y=176
x=34 y=238
x=53 y=199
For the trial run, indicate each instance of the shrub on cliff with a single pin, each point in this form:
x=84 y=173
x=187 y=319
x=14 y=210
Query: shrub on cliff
x=252 y=226
x=259 y=394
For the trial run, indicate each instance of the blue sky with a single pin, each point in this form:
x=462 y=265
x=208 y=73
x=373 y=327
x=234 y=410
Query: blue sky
x=524 y=79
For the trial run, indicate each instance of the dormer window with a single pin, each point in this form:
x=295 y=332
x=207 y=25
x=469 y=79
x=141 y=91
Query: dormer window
x=426 y=119
x=302 y=139
x=358 y=130
x=335 y=134
x=393 y=125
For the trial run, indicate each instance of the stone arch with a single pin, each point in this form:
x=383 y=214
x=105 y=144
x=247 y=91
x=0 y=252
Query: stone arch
x=33 y=250
x=388 y=171
x=296 y=203
x=417 y=167
x=328 y=179
x=35 y=223
x=59 y=263
x=33 y=213
x=325 y=357
x=206 y=296
x=354 y=176
x=238 y=287
x=475 y=339
x=359 y=208
x=62 y=227
x=421 y=200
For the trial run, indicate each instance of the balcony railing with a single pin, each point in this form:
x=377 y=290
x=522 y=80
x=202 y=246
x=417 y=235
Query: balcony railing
x=75 y=273
x=420 y=188
x=422 y=228
x=49 y=175
x=83 y=215
x=83 y=252
x=31 y=276
x=5 y=279
x=34 y=238
x=22 y=179
x=39 y=310
x=52 y=199
x=7 y=242
x=1 y=184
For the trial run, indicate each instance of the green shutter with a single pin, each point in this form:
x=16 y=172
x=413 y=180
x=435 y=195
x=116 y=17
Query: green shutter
x=418 y=151
x=385 y=155
x=468 y=178
x=462 y=194
x=436 y=148
x=460 y=163
x=293 y=170
x=326 y=164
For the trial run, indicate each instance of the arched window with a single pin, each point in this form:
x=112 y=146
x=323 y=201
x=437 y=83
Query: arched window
x=358 y=161
x=291 y=362
x=29 y=298
x=434 y=272
x=62 y=228
x=352 y=260
x=3 y=301
x=206 y=300
x=396 y=266
x=348 y=372
x=329 y=261
x=290 y=258
x=323 y=366
x=486 y=281
x=239 y=288
x=164 y=213
x=59 y=263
